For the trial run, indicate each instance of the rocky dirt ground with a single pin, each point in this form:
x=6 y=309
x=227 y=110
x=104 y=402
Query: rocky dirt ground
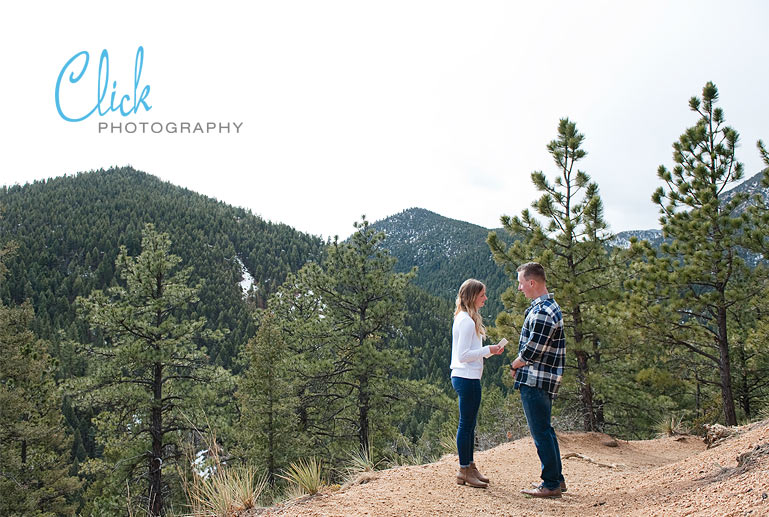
x=672 y=476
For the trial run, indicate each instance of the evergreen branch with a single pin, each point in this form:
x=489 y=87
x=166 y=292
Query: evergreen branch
x=694 y=348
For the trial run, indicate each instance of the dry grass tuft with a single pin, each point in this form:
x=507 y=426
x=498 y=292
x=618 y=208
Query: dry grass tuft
x=305 y=476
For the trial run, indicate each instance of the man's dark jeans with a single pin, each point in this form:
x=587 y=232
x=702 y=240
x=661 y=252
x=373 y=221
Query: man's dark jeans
x=537 y=405
x=469 y=391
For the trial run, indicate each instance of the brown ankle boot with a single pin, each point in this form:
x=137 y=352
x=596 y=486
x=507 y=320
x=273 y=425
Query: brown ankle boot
x=478 y=475
x=467 y=475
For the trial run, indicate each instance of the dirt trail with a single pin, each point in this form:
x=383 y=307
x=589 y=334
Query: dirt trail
x=662 y=477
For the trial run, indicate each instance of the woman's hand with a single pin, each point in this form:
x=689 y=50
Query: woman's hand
x=496 y=349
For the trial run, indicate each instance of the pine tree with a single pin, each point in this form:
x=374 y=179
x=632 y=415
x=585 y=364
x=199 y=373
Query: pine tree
x=342 y=319
x=148 y=376
x=748 y=331
x=753 y=352
x=268 y=430
x=35 y=452
x=758 y=240
x=683 y=295
x=35 y=456
x=571 y=247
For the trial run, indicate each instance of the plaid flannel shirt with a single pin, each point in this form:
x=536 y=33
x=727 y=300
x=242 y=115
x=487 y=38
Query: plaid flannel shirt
x=542 y=346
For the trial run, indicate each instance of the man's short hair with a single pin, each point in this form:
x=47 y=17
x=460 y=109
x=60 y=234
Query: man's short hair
x=532 y=269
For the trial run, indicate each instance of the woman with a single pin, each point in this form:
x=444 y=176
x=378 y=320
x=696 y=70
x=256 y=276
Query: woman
x=467 y=354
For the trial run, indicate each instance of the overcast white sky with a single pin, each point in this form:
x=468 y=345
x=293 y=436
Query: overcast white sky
x=373 y=107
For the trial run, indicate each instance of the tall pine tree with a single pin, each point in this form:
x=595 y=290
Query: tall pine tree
x=753 y=353
x=342 y=320
x=35 y=475
x=268 y=427
x=684 y=294
x=149 y=374
x=571 y=247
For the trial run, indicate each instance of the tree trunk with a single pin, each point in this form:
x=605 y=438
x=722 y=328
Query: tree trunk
x=364 y=398
x=600 y=421
x=698 y=396
x=724 y=369
x=156 y=429
x=271 y=438
x=598 y=402
x=583 y=370
x=301 y=410
x=744 y=387
x=363 y=408
x=585 y=392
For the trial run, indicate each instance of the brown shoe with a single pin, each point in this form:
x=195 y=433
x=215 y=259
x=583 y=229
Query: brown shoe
x=478 y=475
x=466 y=475
x=541 y=491
x=563 y=486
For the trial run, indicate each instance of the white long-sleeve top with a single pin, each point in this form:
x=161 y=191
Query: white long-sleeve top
x=467 y=353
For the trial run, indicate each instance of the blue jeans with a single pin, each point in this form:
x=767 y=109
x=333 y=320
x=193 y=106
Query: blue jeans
x=469 y=391
x=537 y=405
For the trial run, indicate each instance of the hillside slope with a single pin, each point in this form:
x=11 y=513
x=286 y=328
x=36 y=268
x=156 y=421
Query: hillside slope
x=447 y=252
x=663 y=477
x=69 y=229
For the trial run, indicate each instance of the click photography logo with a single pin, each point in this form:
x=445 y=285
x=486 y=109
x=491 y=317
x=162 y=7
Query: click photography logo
x=116 y=103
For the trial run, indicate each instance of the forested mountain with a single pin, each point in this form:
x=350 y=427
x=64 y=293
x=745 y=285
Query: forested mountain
x=67 y=264
x=447 y=252
x=69 y=230
x=71 y=250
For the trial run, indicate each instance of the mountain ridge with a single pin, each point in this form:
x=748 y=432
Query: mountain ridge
x=69 y=229
x=447 y=250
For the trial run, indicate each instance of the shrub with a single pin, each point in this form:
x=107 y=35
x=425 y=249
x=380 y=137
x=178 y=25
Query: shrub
x=305 y=476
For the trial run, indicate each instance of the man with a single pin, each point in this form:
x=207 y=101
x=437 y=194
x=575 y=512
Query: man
x=537 y=371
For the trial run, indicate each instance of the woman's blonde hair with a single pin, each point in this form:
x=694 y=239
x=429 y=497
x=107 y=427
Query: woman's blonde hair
x=468 y=292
